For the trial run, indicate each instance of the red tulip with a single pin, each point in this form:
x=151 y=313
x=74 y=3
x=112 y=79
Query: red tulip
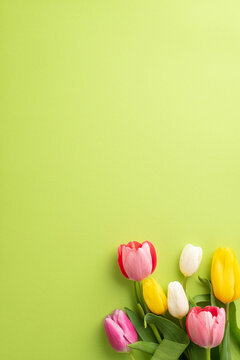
x=206 y=326
x=120 y=331
x=137 y=261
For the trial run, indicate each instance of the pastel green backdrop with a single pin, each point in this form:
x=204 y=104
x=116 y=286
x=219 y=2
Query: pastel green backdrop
x=119 y=122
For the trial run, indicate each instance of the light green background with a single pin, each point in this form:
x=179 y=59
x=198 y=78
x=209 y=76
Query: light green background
x=120 y=120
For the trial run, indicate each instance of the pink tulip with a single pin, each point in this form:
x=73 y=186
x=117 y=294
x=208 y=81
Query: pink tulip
x=120 y=331
x=206 y=326
x=137 y=261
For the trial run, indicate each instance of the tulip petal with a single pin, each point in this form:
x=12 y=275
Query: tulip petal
x=153 y=254
x=154 y=296
x=228 y=274
x=225 y=275
x=190 y=259
x=127 y=327
x=134 y=245
x=219 y=328
x=178 y=305
x=217 y=273
x=208 y=321
x=120 y=260
x=206 y=326
x=137 y=263
x=196 y=328
x=115 y=335
x=236 y=270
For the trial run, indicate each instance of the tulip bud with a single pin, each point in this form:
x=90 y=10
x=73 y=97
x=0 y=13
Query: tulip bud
x=206 y=327
x=154 y=296
x=225 y=275
x=190 y=259
x=120 y=331
x=137 y=261
x=177 y=301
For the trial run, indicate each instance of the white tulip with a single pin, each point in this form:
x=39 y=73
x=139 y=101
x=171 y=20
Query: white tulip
x=190 y=259
x=177 y=301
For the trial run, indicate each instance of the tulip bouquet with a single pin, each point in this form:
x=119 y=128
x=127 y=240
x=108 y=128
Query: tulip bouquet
x=177 y=326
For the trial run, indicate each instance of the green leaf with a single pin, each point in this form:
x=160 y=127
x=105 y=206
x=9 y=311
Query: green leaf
x=169 y=330
x=225 y=351
x=215 y=353
x=196 y=352
x=214 y=300
x=234 y=329
x=168 y=350
x=140 y=311
x=145 y=346
x=201 y=298
x=175 y=339
x=205 y=282
x=192 y=303
x=145 y=334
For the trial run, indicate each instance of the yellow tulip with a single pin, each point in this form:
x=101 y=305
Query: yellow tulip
x=225 y=275
x=154 y=296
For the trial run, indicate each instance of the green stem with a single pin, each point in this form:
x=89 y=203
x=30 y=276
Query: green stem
x=132 y=356
x=185 y=283
x=156 y=333
x=141 y=311
x=227 y=312
x=135 y=290
x=138 y=287
x=181 y=324
x=186 y=352
x=208 y=354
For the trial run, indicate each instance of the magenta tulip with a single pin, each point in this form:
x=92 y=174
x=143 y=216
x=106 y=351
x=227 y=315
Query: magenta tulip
x=206 y=326
x=137 y=261
x=120 y=331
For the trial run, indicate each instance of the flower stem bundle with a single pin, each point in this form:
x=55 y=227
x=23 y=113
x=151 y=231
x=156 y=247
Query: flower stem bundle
x=177 y=325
